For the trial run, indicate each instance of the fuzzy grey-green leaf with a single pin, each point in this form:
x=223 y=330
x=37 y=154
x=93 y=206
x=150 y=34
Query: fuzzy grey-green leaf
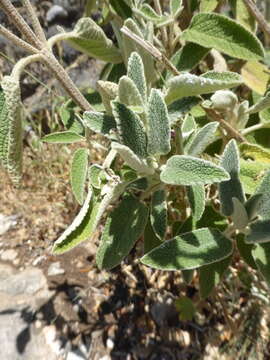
x=79 y=168
x=190 y=85
x=261 y=254
x=210 y=276
x=80 y=229
x=180 y=107
x=187 y=170
x=158 y=125
x=239 y=215
x=100 y=123
x=196 y=198
x=202 y=139
x=130 y=128
x=11 y=128
x=231 y=188
x=158 y=215
x=108 y=92
x=225 y=35
x=124 y=226
x=189 y=56
x=263 y=206
x=189 y=251
x=128 y=93
x=259 y=232
x=63 y=137
x=135 y=71
x=89 y=38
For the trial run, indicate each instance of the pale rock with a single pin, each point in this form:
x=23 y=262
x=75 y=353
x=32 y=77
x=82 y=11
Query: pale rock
x=55 y=269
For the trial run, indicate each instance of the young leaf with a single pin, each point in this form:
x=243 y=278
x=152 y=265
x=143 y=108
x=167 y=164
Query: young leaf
x=259 y=232
x=130 y=129
x=251 y=173
x=132 y=160
x=99 y=123
x=239 y=215
x=69 y=119
x=202 y=139
x=11 y=128
x=158 y=125
x=90 y=39
x=135 y=71
x=210 y=276
x=187 y=170
x=188 y=126
x=189 y=251
x=196 y=198
x=108 y=92
x=79 y=167
x=208 y=5
x=263 y=205
x=255 y=152
x=95 y=175
x=225 y=35
x=129 y=94
x=80 y=229
x=118 y=236
x=190 y=85
x=261 y=254
x=121 y=8
x=175 y=6
x=130 y=46
x=180 y=107
x=244 y=16
x=252 y=205
x=233 y=187
x=63 y=137
x=262 y=104
x=149 y=13
x=158 y=215
x=189 y=56
x=150 y=240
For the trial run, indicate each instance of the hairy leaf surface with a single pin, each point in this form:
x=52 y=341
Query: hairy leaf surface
x=63 y=137
x=225 y=35
x=196 y=198
x=130 y=129
x=79 y=168
x=135 y=71
x=90 y=39
x=99 y=123
x=202 y=139
x=118 y=236
x=231 y=188
x=187 y=170
x=189 y=251
x=159 y=132
x=190 y=85
x=158 y=215
x=261 y=255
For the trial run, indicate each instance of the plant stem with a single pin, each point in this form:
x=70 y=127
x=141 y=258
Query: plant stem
x=178 y=140
x=109 y=159
x=34 y=20
x=263 y=24
x=151 y=49
x=19 y=22
x=67 y=83
x=17 y=41
x=254 y=128
x=163 y=30
x=58 y=37
x=22 y=63
x=233 y=133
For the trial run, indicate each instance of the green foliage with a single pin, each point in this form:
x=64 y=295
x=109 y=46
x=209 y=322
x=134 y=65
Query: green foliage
x=119 y=237
x=90 y=39
x=223 y=34
x=78 y=176
x=179 y=162
x=190 y=85
x=189 y=251
x=187 y=170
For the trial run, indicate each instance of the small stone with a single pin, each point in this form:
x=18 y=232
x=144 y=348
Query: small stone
x=9 y=255
x=109 y=344
x=7 y=222
x=55 y=269
x=55 y=12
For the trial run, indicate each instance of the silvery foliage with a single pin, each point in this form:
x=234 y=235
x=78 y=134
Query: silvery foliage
x=157 y=169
